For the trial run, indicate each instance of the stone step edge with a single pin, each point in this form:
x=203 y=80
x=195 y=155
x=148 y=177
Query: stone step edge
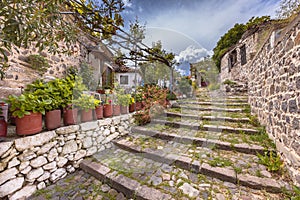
x=201 y=99
x=224 y=174
x=211 y=118
x=204 y=142
x=205 y=127
x=129 y=187
x=209 y=109
x=204 y=103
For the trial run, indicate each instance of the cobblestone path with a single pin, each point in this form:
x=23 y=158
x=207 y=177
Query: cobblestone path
x=208 y=147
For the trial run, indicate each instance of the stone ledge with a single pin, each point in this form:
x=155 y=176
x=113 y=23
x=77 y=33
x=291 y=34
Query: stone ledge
x=22 y=144
x=243 y=147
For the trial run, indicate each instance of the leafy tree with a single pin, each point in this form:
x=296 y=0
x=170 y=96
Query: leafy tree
x=232 y=36
x=287 y=8
x=46 y=23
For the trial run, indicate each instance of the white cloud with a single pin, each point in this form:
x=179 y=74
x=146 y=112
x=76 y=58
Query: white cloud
x=192 y=54
x=207 y=21
x=127 y=3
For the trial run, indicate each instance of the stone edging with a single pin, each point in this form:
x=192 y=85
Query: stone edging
x=131 y=188
x=209 y=109
x=205 y=127
x=210 y=118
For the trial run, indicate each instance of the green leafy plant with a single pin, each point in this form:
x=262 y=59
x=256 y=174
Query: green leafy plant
x=24 y=104
x=171 y=96
x=86 y=102
x=124 y=99
x=272 y=161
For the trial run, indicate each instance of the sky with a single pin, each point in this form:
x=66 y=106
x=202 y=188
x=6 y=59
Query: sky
x=192 y=28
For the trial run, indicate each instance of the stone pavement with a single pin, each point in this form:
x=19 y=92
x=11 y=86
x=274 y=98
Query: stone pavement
x=202 y=148
x=78 y=186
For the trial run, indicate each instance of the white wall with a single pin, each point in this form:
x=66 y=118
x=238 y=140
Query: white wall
x=131 y=78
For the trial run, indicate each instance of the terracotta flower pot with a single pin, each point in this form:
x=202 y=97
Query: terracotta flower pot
x=99 y=112
x=53 y=119
x=138 y=106
x=131 y=107
x=3 y=127
x=70 y=116
x=116 y=110
x=124 y=109
x=107 y=110
x=86 y=116
x=29 y=124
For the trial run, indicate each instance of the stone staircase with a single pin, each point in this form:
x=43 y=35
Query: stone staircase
x=201 y=148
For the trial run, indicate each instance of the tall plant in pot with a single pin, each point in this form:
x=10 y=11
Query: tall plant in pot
x=86 y=103
x=72 y=88
x=124 y=100
x=107 y=107
x=50 y=92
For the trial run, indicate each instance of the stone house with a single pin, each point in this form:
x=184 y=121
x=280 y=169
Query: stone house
x=128 y=77
x=86 y=49
x=267 y=59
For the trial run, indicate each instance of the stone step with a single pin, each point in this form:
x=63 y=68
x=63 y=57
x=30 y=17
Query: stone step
x=222 y=173
x=203 y=142
x=128 y=186
x=210 y=118
x=210 y=103
x=197 y=126
x=219 y=99
x=212 y=109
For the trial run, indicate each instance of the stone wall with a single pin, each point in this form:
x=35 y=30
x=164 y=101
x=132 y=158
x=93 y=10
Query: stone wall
x=19 y=73
x=32 y=162
x=274 y=92
x=252 y=41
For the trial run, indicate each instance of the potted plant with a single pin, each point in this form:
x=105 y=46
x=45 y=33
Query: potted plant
x=71 y=88
x=86 y=103
x=99 y=107
x=49 y=92
x=124 y=100
x=138 y=100
x=107 y=107
x=3 y=125
x=116 y=106
x=131 y=104
x=28 y=109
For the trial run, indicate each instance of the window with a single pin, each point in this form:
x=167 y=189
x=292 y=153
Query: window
x=243 y=55
x=232 y=59
x=123 y=80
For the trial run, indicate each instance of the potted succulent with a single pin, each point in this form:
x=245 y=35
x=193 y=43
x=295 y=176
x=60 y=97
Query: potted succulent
x=3 y=125
x=107 y=107
x=86 y=103
x=28 y=109
x=124 y=100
